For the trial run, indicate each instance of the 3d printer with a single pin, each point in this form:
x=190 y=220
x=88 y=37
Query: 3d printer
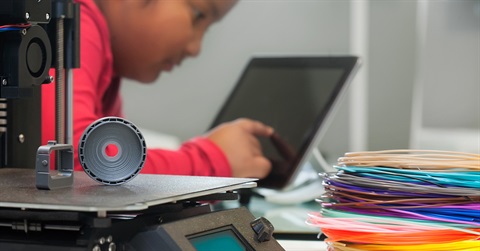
x=152 y=212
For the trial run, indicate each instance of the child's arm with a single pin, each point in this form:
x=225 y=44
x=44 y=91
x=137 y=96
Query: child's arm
x=198 y=156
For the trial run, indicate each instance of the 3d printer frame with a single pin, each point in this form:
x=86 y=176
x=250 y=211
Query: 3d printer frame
x=35 y=36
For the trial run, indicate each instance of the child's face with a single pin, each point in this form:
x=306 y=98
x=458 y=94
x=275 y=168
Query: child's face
x=151 y=36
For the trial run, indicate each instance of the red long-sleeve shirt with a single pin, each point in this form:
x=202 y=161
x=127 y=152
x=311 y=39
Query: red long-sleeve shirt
x=96 y=95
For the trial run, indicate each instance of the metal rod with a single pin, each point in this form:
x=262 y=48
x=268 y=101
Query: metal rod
x=59 y=84
x=69 y=108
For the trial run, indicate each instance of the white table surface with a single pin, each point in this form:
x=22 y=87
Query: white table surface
x=294 y=245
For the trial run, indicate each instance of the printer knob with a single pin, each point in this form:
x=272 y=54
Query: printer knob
x=262 y=228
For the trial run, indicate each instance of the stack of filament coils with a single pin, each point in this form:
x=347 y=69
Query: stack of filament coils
x=401 y=200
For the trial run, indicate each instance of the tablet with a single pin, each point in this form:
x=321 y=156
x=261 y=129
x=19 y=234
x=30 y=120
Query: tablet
x=294 y=95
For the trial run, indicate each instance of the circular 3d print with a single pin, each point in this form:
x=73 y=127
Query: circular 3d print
x=112 y=151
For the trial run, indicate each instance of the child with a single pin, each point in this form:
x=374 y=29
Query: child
x=139 y=39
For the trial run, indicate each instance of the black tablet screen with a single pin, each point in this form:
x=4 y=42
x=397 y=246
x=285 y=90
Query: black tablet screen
x=293 y=95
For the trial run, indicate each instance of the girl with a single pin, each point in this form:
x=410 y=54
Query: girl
x=139 y=39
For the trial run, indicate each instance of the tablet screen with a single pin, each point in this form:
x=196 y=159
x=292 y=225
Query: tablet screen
x=294 y=96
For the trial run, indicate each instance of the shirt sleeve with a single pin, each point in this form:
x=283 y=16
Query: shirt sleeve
x=89 y=79
x=198 y=156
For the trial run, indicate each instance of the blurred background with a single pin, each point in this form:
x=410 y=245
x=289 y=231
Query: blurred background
x=418 y=87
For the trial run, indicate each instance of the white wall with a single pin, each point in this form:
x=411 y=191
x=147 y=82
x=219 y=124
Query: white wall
x=447 y=101
x=391 y=57
x=451 y=65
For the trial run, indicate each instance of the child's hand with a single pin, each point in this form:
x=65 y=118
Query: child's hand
x=238 y=140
